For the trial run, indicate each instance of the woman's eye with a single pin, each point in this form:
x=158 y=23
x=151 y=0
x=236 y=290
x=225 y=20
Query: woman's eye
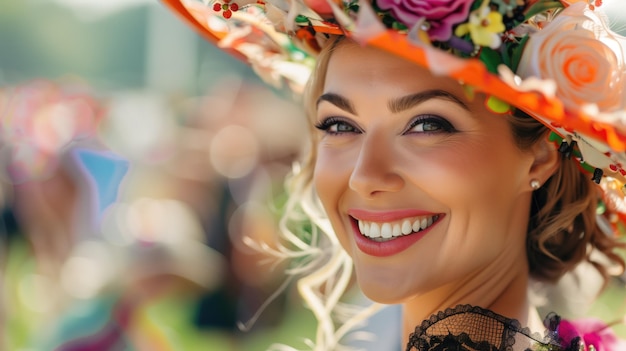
x=341 y=127
x=336 y=126
x=426 y=127
x=430 y=124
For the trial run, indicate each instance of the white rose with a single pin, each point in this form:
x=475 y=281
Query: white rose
x=582 y=56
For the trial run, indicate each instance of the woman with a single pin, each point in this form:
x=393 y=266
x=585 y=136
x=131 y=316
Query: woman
x=419 y=181
x=448 y=181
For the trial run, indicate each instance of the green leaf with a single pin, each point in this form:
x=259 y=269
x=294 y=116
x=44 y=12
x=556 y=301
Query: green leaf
x=399 y=26
x=555 y=137
x=542 y=6
x=476 y=5
x=491 y=59
x=301 y=19
x=505 y=53
x=516 y=53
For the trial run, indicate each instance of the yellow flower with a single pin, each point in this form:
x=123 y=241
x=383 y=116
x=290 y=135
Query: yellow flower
x=484 y=27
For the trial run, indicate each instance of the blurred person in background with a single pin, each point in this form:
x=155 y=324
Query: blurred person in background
x=145 y=274
x=82 y=272
x=232 y=161
x=46 y=204
x=165 y=272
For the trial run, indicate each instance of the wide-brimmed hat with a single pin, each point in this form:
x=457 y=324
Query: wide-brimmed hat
x=557 y=61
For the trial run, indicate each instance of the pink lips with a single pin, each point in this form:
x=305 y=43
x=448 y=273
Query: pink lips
x=391 y=247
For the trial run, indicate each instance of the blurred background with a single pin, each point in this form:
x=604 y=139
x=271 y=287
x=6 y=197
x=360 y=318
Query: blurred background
x=134 y=159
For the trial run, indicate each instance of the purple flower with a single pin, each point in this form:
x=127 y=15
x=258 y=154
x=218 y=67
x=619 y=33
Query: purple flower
x=441 y=15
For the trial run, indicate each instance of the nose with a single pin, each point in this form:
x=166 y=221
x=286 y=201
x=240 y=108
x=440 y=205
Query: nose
x=375 y=170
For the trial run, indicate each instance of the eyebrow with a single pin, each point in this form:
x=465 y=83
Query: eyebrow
x=409 y=101
x=396 y=105
x=338 y=101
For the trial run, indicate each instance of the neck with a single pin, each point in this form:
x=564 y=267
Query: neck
x=502 y=289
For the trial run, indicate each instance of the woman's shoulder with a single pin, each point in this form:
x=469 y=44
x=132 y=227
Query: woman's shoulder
x=467 y=327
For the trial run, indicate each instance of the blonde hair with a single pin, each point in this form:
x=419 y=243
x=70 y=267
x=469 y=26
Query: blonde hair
x=562 y=226
x=326 y=269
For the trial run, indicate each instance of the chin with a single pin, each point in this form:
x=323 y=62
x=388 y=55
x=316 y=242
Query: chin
x=387 y=294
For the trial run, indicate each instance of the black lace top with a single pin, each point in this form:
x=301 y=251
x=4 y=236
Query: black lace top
x=471 y=328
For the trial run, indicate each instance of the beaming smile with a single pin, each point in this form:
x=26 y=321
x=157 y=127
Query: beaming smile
x=385 y=231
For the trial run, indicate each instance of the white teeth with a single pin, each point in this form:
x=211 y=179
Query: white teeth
x=416 y=226
x=396 y=230
x=386 y=231
x=406 y=227
x=374 y=230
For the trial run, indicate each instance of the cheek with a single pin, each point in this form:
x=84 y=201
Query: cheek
x=472 y=171
x=330 y=178
x=331 y=175
x=479 y=185
x=333 y=168
x=325 y=178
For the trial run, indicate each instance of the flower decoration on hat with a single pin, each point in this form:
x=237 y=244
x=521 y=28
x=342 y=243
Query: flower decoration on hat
x=484 y=27
x=441 y=15
x=556 y=60
x=226 y=8
x=582 y=56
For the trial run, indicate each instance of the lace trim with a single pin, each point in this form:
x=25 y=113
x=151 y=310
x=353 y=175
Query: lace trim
x=472 y=328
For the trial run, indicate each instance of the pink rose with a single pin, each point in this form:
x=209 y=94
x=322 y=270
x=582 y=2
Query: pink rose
x=441 y=15
x=592 y=332
x=582 y=56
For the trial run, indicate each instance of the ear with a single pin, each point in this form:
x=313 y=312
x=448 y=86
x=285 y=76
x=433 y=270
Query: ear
x=546 y=160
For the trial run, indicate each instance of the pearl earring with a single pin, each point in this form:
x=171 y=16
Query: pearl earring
x=534 y=183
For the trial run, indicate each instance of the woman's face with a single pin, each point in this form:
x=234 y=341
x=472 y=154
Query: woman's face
x=423 y=186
